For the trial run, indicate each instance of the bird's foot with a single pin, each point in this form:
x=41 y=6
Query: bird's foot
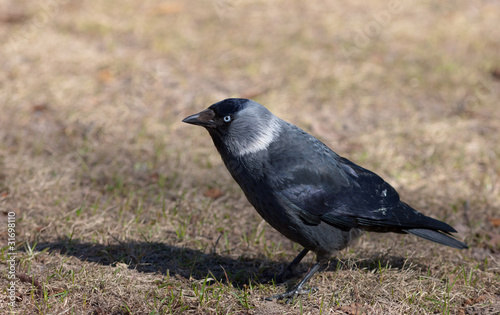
x=297 y=290
x=290 y=295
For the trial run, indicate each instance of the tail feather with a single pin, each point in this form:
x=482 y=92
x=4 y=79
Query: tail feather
x=424 y=222
x=438 y=237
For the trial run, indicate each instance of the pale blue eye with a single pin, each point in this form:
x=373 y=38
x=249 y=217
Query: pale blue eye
x=227 y=119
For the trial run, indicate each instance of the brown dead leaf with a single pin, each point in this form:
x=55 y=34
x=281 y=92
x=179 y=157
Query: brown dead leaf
x=353 y=309
x=57 y=290
x=253 y=92
x=213 y=193
x=30 y=279
x=154 y=177
x=467 y=302
x=98 y=311
x=167 y=8
x=495 y=221
x=13 y=17
x=40 y=107
x=479 y=299
x=105 y=76
x=495 y=73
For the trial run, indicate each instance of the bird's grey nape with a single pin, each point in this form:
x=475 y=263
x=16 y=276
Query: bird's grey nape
x=255 y=132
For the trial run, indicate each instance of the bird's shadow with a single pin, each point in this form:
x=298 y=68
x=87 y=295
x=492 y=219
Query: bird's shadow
x=161 y=258
x=155 y=257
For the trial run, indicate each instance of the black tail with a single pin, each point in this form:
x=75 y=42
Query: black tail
x=438 y=237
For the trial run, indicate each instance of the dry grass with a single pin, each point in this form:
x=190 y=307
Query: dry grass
x=116 y=199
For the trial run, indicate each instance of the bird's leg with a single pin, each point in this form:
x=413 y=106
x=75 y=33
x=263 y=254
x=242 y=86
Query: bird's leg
x=297 y=290
x=290 y=269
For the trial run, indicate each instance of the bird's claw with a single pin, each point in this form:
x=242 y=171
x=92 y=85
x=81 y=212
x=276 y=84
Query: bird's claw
x=290 y=295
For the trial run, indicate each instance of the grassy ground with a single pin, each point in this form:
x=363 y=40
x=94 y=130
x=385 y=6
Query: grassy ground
x=122 y=209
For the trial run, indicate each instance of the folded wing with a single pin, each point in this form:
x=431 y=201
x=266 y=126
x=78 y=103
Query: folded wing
x=347 y=196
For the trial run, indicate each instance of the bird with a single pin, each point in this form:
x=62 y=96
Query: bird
x=305 y=190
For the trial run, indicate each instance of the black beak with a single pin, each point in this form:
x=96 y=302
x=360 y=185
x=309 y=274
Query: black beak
x=203 y=118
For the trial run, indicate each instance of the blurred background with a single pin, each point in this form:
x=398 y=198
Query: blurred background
x=97 y=165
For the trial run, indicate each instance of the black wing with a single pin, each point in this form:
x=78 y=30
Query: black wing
x=322 y=186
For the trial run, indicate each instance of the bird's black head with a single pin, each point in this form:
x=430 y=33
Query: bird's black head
x=219 y=115
x=238 y=125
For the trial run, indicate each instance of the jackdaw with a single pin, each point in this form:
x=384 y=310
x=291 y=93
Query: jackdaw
x=303 y=189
